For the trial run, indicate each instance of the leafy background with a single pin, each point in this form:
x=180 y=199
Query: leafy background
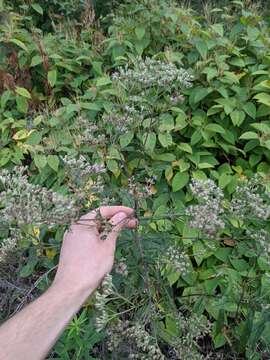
x=55 y=70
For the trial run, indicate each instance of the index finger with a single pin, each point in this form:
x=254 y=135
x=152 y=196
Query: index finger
x=107 y=212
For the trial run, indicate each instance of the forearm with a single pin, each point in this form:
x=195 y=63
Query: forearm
x=31 y=333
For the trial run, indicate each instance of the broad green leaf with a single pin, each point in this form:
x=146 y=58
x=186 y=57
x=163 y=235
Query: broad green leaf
x=40 y=161
x=126 y=138
x=22 y=104
x=262 y=127
x=224 y=180
x=179 y=181
x=201 y=46
x=19 y=43
x=185 y=147
x=215 y=128
x=103 y=81
x=52 y=77
x=263 y=98
x=180 y=122
x=90 y=106
x=140 y=32
x=22 y=134
x=53 y=162
x=165 y=139
x=37 y=8
x=250 y=109
x=6 y=95
x=23 y=92
x=249 y=135
x=36 y=60
x=237 y=116
x=149 y=141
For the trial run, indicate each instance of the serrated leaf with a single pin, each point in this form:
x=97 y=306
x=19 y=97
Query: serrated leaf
x=23 y=92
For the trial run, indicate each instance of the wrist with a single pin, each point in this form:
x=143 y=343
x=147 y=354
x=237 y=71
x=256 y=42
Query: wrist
x=76 y=293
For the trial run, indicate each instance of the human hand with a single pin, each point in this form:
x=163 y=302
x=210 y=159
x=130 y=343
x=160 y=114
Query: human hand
x=85 y=258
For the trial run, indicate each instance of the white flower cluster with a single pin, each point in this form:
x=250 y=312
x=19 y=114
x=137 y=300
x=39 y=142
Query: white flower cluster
x=25 y=203
x=207 y=215
x=121 y=267
x=89 y=133
x=133 y=341
x=262 y=239
x=153 y=73
x=250 y=200
x=102 y=297
x=81 y=167
x=126 y=117
x=9 y=244
x=192 y=328
x=178 y=260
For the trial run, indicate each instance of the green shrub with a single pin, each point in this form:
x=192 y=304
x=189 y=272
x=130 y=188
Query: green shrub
x=165 y=97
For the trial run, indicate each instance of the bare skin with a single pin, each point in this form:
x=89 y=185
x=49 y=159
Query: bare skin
x=84 y=261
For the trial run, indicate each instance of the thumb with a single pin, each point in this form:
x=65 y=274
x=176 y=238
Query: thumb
x=119 y=221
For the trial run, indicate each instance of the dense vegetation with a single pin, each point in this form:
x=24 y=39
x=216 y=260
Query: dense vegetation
x=163 y=108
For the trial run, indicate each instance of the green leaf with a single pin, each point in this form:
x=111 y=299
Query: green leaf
x=250 y=109
x=180 y=122
x=40 y=161
x=21 y=134
x=53 y=162
x=149 y=141
x=165 y=139
x=215 y=128
x=249 y=135
x=23 y=92
x=52 y=77
x=263 y=98
x=262 y=127
x=185 y=147
x=179 y=181
x=6 y=95
x=201 y=47
x=22 y=104
x=37 y=8
x=125 y=139
x=90 y=106
x=19 y=43
x=237 y=116
x=140 y=32
x=224 y=180
x=36 y=60
x=103 y=81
